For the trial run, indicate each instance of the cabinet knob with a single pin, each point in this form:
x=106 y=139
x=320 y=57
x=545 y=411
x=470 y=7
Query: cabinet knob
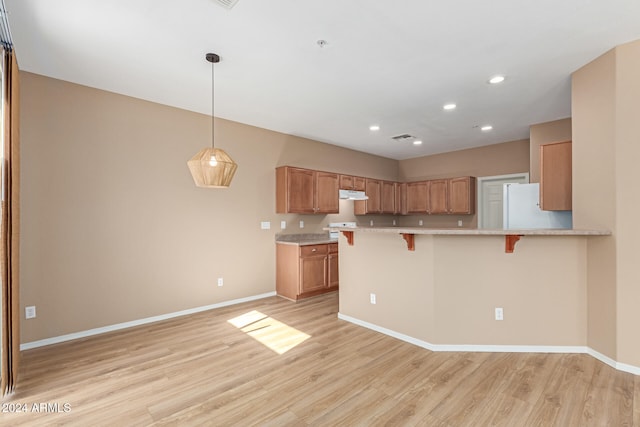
x=313 y=250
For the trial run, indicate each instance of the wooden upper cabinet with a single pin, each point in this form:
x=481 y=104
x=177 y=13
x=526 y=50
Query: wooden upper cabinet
x=373 y=205
x=382 y=198
x=372 y=189
x=401 y=198
x=555 y=176
x=306 y=191
x=439 y=196
x=349 y=182
x=417 y=197
x=295 y=189
x=462 y=195
x=388 y=197
x=327 y=198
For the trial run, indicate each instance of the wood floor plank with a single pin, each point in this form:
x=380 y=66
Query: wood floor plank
x=203 y=370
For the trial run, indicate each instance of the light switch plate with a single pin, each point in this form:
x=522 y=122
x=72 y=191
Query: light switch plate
x=265 y=225
x=283 y=225
x=301 y=224
x=30 y=312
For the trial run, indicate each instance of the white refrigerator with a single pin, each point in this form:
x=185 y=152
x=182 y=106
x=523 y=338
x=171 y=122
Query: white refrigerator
x=521 y=204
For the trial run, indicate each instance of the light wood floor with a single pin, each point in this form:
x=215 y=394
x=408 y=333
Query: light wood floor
x=202 y=370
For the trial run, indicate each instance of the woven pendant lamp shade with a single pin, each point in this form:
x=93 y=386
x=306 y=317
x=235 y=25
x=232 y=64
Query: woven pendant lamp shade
x=207 y=176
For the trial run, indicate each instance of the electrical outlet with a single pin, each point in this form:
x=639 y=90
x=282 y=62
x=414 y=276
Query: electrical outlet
x=499 y=313
x=220 y=281
x=283 y=225
x=394 y=222
x=301 y=224
x=371 y=223
x=30 y=312
x=372 y=298
x=459 y=223
x=420 y=222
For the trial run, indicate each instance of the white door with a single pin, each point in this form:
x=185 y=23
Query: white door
x=490 y=205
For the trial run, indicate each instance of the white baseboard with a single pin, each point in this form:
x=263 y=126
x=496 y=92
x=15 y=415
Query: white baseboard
x=617 y=365
x=495 y=348
x=118 y=326
x=389 y=332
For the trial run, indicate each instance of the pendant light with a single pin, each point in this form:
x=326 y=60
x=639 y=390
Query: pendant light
x=212 y=167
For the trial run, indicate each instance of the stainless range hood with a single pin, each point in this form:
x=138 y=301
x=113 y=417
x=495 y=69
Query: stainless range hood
x=353 y=195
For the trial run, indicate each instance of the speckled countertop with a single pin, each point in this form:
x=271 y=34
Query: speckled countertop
x=475 y=231
x=304 y=239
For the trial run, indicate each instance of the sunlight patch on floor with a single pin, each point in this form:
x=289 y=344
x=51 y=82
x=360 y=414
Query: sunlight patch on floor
x=274 y=334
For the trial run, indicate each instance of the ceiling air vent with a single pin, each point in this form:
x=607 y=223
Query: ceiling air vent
x=403 y=137
x=227 y=4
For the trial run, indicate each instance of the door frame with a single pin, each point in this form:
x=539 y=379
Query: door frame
x=480 y=180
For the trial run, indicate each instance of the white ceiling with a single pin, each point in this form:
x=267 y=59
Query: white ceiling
x=392 y=63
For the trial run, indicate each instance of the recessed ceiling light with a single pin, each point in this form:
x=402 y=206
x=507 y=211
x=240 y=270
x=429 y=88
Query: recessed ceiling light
x=417 y=142
x=486 y=128
x=374 y=127
x=496 y=79
x=449 y=106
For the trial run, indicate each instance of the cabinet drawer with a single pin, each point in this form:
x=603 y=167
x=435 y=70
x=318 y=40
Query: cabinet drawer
x=312 y=250
x=333 y=248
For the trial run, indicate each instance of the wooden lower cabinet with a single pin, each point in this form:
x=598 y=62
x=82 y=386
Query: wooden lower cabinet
x=332 y=267
x=305 y=271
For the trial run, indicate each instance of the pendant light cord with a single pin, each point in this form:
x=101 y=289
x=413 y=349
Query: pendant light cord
x=213 y=90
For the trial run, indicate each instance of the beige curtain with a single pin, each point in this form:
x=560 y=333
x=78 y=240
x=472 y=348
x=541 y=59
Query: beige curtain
x=10 y=227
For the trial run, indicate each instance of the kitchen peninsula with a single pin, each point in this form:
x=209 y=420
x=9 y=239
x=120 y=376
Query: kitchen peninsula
x=442 y=293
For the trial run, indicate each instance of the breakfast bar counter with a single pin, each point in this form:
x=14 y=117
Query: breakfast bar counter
x=511 y=235
x=443 y=292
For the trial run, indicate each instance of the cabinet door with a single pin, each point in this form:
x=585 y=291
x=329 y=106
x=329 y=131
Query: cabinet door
x=372 y=188
x=346 y=182
x=313 y=273
x=438 y=196
x=359 y=183
x=327 y=198
x=388 y=197
x=417 y=197
x=462 y=192
x=332 y=270
x=299 y=189
x=555 y=176
x=401 y=198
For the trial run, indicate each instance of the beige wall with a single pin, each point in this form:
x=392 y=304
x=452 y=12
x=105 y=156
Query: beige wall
x=446 y=291
x=113 y=228
x=545 y=133
x=628 y=201
x=605 y=96
x=594 y=191
x=498 y=159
